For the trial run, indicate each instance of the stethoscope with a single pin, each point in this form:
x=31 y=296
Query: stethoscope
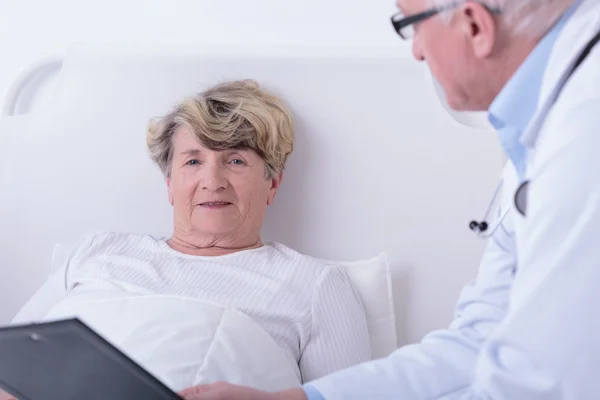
x=483 y=228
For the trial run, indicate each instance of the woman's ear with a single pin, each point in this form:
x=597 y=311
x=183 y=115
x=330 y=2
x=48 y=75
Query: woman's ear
x=275 y=183
x=170 y=190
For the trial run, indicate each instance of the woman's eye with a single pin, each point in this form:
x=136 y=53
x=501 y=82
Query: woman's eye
x=192 y=162
x=237 y=162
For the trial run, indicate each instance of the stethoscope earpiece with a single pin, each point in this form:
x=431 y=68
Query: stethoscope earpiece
x=483 y=228
x=480 y=226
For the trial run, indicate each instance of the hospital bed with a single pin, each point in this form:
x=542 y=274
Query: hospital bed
x=382 y=179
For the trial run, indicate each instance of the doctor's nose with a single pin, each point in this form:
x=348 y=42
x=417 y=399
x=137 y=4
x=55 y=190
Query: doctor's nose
x=416 y=49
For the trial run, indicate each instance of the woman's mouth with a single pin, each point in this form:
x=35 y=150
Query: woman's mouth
x=215 y=204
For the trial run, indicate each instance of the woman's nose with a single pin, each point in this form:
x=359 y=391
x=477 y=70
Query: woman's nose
x=214 y=178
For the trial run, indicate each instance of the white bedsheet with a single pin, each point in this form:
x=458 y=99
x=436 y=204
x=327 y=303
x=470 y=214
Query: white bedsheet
x=185 y=342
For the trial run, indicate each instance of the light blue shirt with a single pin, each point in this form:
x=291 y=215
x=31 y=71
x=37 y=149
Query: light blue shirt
x=510 y=113
x=515 y=105
x=312 y=393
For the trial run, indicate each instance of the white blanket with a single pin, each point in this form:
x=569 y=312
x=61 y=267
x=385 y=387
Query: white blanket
x=185 y=342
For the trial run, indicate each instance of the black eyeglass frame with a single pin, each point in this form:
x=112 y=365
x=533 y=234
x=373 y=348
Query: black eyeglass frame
x=405 y=21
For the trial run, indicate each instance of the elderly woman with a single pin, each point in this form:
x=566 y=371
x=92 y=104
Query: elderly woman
x=222 y=154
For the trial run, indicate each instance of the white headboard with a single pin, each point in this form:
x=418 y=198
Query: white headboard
x=378 y=165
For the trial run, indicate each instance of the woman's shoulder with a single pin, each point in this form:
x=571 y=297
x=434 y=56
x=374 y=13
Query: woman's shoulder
x=320 y=266
x=113 y=241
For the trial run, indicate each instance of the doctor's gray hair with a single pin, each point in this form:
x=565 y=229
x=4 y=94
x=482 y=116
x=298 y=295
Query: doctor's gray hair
x=528 y=17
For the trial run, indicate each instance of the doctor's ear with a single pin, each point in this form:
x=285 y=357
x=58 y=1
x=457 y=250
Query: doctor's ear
x=479 y=25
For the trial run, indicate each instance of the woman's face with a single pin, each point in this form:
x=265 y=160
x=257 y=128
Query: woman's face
x=219 y=197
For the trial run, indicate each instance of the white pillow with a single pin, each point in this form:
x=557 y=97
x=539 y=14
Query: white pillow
x=371 y=279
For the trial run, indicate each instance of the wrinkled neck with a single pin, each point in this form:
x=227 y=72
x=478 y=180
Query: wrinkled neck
x=210 y=248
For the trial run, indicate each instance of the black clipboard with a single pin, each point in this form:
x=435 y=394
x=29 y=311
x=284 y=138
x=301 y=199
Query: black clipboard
x=67 y=360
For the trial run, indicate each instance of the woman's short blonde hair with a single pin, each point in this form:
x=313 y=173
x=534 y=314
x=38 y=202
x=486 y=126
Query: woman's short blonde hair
x=234 y=114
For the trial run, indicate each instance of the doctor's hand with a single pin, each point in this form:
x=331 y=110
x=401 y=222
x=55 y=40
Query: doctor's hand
x=227 y=391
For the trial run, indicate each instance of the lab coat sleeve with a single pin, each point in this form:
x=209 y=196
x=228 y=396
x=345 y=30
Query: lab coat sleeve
x=549 y=345
x=442 y=363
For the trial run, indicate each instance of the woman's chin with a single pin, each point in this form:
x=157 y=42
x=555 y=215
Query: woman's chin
x=214 y=230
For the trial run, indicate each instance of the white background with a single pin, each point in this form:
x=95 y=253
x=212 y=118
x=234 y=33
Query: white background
x=30 y=29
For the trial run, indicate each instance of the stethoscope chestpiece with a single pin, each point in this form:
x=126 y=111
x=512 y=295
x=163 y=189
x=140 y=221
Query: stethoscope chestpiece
x=521 y=198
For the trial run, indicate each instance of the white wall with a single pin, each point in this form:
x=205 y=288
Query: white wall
x=33 y=28
x=30 y=29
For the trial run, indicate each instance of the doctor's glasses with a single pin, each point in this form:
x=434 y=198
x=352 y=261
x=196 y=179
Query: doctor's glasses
x=404 y=24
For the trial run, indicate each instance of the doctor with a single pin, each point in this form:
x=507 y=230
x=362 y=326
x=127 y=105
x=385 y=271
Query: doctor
x=528 y=326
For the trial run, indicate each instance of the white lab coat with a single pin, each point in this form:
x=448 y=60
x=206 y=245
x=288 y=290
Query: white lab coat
x=528 y=327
